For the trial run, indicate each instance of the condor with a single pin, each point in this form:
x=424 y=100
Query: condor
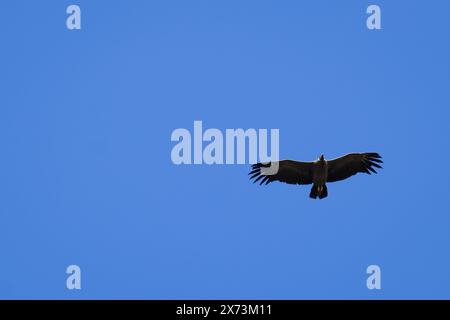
x=318 y=172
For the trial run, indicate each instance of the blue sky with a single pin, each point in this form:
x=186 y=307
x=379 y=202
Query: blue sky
x=86 y=176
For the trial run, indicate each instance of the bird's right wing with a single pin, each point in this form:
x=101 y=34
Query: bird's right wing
x=288 y=171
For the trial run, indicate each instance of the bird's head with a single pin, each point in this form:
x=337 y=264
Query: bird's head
x=321 y=157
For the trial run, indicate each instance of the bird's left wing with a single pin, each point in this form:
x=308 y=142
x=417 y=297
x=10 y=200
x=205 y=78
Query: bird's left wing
x=352 y=163
x=288 y=171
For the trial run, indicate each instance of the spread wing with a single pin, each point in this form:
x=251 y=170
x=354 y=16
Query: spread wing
x=289 y=171
x=350 y=164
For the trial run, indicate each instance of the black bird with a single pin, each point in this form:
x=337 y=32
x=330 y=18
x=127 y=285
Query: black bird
x=317 y=172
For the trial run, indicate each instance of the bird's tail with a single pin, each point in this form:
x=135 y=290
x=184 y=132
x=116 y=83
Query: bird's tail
x=324 y=192
x=318 y=192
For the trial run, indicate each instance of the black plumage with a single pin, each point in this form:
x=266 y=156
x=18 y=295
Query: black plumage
x=317 y=172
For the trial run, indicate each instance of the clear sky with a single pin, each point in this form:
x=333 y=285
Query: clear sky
x=86 y=176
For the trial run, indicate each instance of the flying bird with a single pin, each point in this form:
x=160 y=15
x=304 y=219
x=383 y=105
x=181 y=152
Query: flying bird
x=318 y=172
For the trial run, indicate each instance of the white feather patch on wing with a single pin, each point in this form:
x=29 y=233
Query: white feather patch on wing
x=270 y=170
